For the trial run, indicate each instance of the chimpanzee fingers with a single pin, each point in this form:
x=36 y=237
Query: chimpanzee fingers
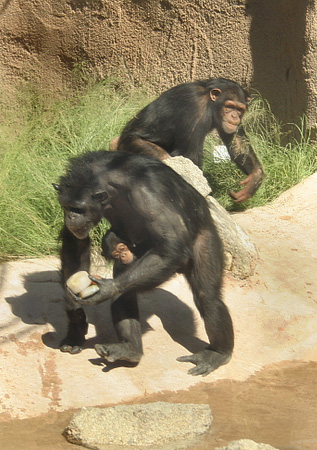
x=202 y=368
x=71 y=295
x=95 y=279
x=99 y=297
x=247 y=180
x=240 y=196
x=236 y=196
x=91 y=300
x=94 y=299
x=233 y=195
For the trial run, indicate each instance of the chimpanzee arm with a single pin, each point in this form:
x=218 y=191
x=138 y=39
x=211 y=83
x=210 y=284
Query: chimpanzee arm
x=245 y=158
x=75 y=254
x=168 y=253
x=143 y=274
x=165 y=229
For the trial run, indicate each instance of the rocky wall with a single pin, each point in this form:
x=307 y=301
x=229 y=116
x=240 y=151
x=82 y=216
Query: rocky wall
x=267 y=45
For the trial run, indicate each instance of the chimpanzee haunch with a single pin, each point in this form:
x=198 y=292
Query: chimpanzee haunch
x=177 y=122
x=167 y=226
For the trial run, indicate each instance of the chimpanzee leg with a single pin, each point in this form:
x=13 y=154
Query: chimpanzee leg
x=75 y=256
x=138 y=145
x=77 y=329
x=125 y=316
x=205 y=278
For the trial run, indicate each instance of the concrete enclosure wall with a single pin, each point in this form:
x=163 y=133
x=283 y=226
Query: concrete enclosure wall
x=268 y=45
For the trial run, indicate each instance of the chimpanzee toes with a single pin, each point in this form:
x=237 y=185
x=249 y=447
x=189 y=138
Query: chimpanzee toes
x=102 y=350
x=72 y=349
x=72 y=344
x=119 y=351
x=201 y=367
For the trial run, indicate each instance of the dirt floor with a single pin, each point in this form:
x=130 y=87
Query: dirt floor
x=266 y=393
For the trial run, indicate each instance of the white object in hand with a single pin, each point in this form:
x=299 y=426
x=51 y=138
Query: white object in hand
x=78 y=281
x=90 y=290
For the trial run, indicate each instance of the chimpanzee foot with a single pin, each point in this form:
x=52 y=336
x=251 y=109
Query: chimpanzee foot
x=74 y=341
x=119 y=351
x=123 y=253
x=65 y=347
x=206 y=361
x=77 y=329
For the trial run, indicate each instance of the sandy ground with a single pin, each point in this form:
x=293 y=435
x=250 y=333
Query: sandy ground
x=271 y=377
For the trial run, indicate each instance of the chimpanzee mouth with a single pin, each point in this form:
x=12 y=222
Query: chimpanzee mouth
x=229 y=127
x=82 y=232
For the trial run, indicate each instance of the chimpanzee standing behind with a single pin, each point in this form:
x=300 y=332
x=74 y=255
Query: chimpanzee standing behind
x=167 y=226
x=177 y=122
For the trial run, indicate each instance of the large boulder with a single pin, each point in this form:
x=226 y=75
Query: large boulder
x=139 y=426
x=240 y=252
x=190 y=172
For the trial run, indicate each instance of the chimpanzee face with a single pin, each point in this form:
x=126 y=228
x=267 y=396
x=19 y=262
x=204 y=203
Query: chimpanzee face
x=78 y=221
x=231 y=115
x=82 y=209
x=230 y=108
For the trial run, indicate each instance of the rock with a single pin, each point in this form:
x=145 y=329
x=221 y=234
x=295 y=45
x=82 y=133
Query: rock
x=190 y=172
x=240 y=252
x=142 y=426
x=246 y=444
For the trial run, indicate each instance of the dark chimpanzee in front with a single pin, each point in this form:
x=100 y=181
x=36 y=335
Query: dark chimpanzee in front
x=177 y=122
x=167 y=226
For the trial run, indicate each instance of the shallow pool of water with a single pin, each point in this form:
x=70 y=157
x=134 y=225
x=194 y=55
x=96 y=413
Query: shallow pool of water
x=277 y=406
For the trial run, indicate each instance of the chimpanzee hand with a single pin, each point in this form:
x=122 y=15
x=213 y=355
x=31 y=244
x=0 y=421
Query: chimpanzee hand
x=107 y=291
x=251 y=184
x=244 y=194
x=206 y=361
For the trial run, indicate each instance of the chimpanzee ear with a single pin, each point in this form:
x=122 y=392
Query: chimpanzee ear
x=214 y=94
x=101 y=196
x=56 y=186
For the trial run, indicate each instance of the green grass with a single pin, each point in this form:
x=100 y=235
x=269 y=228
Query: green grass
x=37 y=140
x=34 y=150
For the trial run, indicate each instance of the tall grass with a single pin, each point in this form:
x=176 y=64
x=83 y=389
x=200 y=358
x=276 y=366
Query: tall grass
x=37 y=141
x=34 y=151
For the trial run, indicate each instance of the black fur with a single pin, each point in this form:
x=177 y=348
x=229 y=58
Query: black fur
x=167 y=225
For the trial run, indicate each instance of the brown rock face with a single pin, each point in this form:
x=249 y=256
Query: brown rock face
x=267 y=45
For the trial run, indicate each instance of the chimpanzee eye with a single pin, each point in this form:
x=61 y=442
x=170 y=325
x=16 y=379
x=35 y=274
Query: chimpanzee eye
x=77 y=210
x=100 y=196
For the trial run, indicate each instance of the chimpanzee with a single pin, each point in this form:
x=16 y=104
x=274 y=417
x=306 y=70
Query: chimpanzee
x=166 y=225
x=177 y=122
